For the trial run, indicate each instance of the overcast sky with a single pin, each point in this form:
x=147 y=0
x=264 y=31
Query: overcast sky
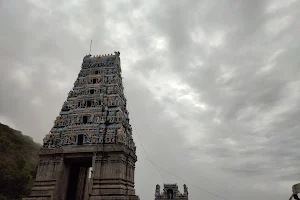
x=212 y=86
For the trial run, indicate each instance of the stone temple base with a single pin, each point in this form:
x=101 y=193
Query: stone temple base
x=88 y=172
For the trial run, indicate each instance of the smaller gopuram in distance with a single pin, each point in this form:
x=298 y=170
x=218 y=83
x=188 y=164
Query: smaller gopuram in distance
x=171 y=191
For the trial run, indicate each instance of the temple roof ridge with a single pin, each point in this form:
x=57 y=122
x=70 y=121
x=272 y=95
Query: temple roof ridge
x=116 y=53
x=170 y=183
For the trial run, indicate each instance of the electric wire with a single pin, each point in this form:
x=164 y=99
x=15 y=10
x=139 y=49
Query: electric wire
x=157 y=166
x=216 y=195
x=146 y=154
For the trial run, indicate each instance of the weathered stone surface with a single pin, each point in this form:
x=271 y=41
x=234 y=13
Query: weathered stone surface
x=170 y=191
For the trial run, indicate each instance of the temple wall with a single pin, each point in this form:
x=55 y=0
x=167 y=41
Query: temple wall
x=113 y=175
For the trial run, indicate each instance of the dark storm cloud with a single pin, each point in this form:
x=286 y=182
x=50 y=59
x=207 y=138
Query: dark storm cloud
x=212 y=86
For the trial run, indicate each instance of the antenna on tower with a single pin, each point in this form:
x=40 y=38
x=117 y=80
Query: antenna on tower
x=90 y=47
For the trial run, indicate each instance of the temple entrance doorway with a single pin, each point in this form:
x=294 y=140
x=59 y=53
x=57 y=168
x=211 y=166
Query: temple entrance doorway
x=78 y=178
x=170 y=194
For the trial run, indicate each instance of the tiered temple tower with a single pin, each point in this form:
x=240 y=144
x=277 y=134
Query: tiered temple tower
x=171 y=191
x=89 y=153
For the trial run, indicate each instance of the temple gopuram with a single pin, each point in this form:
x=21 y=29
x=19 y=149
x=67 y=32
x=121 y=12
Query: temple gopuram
x=89 y=154
x=171 y=191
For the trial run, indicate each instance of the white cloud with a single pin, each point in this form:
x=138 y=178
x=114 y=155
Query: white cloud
x=277 y=25
x=212 y=87
x=277 y=5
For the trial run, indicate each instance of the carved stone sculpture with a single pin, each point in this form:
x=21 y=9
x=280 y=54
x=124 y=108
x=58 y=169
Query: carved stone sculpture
x=90 y=131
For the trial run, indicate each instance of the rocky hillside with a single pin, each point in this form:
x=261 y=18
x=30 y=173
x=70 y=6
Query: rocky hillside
x=18 y=162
